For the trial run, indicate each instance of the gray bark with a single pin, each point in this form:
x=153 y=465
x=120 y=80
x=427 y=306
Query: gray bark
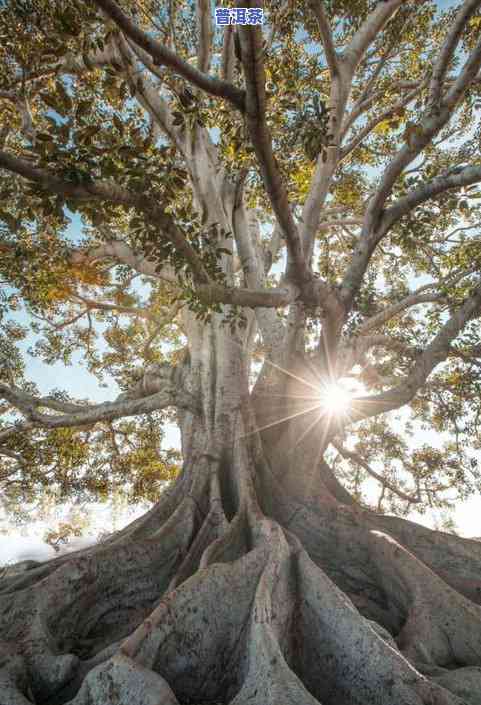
x=255 y=579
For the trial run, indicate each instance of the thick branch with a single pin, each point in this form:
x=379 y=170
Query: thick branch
x=437 y=351
x=249 y=247
x=121 y=252
x=18 y=427
x=326 y=36
x=465 y=177
x=163 y=56
x=228 y=55
x=252 y=298
x=78 y=415
x=369 y=31
x=13 y=456
x=252 y=62
x=210 y=293
x=391 y=311
x=118 y=308
x=319 y=188
x=205 y=33
x=114 y=194
x=440 y=68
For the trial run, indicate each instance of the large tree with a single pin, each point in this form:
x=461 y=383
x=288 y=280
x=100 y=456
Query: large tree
x=267 y=211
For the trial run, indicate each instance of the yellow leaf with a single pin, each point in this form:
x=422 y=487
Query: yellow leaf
x=383 y=127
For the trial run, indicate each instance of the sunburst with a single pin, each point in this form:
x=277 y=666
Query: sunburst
x=335 y=399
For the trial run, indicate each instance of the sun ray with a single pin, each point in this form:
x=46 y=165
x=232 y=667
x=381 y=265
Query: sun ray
x=308 y=429
x=291 y=374
x=335 y=398
x=279 y=421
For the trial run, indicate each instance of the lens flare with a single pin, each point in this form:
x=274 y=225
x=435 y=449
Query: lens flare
x=335 y=398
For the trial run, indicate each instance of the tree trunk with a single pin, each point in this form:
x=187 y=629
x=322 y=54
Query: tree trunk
x=255 y=579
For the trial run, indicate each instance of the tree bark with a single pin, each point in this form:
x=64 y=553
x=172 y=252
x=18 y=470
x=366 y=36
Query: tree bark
x=255 y=579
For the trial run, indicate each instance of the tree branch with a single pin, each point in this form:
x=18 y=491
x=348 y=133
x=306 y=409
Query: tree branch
x=79 y=415
x=388 y=343
x=319 y=188
x=228 y=56
x=440 y=68
x=210 y=293
x=21 y=103
x=366 y=99
x=146 y=93
x=106 y=306
x=437 y=351
x=373 y=231
x=247 y=238
x=168 y=317
x=326 y=36
x=163 y=56
x=391 y=311
x=465 y=177
x=369 y=30
x=428 y=127
x=114 y=194
x=255 y=115
x=17 y=427
x=14 y=456
x=385 y=115
x=465 y=78
x=205 y=34
x=121 y=252
x=251 y=298
x=351 y=455
x=339 y=95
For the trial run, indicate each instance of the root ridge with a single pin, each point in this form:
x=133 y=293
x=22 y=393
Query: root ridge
x=243 y=612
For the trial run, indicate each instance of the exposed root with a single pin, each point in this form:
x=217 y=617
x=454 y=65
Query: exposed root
x=242 y=614
x=464 y=682
x=14 y=686
x=359 y=665
x=284 y=635
x=194 y=637
x=124 y=682
x=442 y=626
x=92 y=601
